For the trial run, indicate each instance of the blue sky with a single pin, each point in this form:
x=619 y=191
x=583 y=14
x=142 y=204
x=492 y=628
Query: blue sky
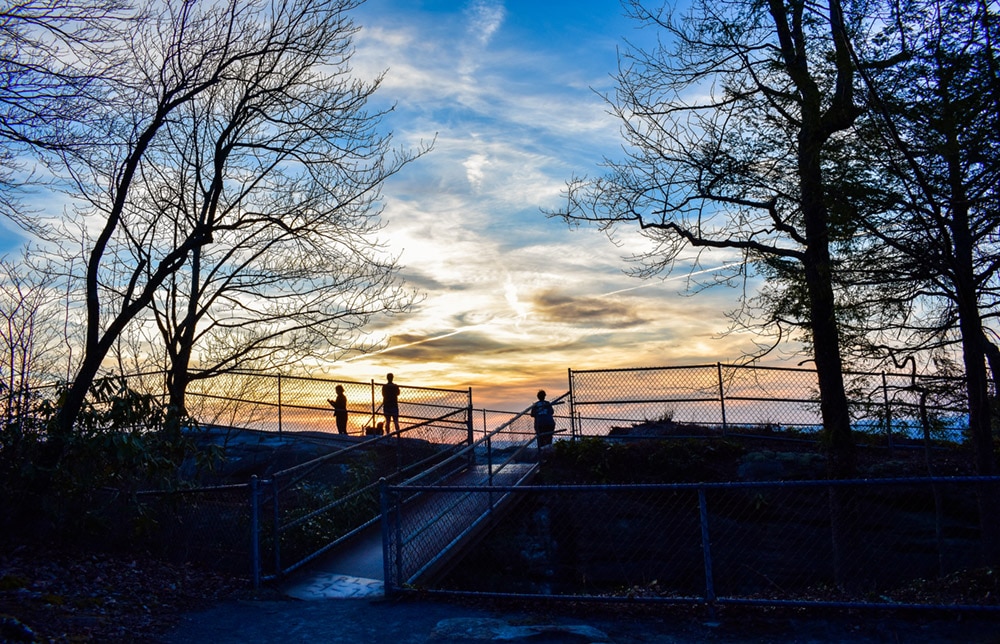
x=512 y=300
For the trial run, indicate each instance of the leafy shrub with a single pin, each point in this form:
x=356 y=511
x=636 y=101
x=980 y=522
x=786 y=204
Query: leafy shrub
x=596 y=461
x=73 y=485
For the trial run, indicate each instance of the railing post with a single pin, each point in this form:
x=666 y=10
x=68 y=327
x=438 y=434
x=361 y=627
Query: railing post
x=255 y=531
x=489 y=460
x=574 y=422
x=489 y=474
x=722 y=397
x=471 y=430
x=374 y=420
x=706 y=551
x=387 y=578
x=276 y=530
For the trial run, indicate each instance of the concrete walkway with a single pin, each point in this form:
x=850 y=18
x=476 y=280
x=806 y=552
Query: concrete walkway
x=355 y=569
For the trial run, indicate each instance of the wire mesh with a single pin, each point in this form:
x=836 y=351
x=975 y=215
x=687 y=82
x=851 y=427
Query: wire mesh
x=299 y=404
x=308 y=508
x=210 y=526
x=736 y=398
x=887 y=542
x=654 y=547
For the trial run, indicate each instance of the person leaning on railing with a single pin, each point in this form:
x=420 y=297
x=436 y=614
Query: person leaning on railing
x=545 y=420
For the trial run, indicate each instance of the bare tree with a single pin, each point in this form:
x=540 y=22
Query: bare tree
x=933 y=136
x=29 y=340
x=285 y=162
x=211 y=106
x=295 y=278
x=729 y=132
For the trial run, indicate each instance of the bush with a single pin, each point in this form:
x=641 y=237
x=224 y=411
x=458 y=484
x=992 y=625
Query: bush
x=596 y=461
x=73 y=486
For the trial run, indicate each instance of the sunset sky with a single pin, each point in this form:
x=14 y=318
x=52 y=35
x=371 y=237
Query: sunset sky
x=511 y=93
x=513 y=299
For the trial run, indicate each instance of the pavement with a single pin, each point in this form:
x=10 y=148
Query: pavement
x=354 y=570
x=428 y=620
x=323 y=605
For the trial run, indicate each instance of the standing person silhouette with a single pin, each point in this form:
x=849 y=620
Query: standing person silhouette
x=340 y=409
x=390 y=402
x=545 y=421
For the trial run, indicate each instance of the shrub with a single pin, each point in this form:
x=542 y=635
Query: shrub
x=72 y=485
x=596 y=461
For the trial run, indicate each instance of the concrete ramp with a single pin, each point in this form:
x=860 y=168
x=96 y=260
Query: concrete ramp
x=353 y=569
x=356 y=567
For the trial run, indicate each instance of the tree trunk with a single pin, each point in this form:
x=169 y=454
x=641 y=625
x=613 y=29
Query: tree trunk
x=822 y=309
x=976 y=383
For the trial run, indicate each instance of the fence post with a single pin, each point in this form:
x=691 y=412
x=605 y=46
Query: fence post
x=574 y=423
x=279 y=404
x=255 y=531
x=706 y=551
x=471 y=429
x=489 y=460
x=373 y=403
x=722 y=397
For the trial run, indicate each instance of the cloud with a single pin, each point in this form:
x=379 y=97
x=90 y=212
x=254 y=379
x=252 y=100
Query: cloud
x=589 y=312
x=484 y=19
x=475 y=169
x=451 y=347
x=513 y=298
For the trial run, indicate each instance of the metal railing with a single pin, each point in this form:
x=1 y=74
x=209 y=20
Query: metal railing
x=290 y=517
x=277 y=403
x=894 y=543
x=421 y=535
x=306 y=510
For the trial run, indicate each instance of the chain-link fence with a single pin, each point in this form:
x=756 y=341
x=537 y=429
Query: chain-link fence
x=305 y=510
x=892 y=543
x=736 y=398
x=294 y=404
x=210 y=526
x=519 y=427
x=289 y=517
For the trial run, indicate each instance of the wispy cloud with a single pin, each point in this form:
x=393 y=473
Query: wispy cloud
x=512 y=299
x=484 y=19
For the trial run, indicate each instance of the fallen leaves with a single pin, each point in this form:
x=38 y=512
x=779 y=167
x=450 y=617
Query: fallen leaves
x=66 y=596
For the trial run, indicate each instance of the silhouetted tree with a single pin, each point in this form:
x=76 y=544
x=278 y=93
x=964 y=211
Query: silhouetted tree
x=208 y=109
x=282 y=163
x=28 y=341
x=729 y=130
x=935 y=149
